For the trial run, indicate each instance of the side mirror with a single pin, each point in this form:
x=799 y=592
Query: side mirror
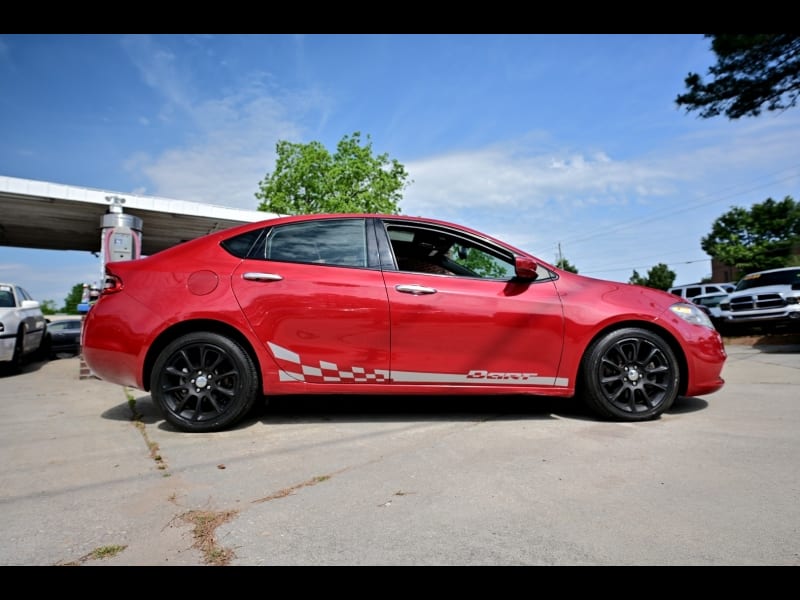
x=526 y=268
x=30 y=304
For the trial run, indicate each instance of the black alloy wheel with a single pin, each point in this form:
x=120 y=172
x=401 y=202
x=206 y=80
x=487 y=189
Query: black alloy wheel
x=630 y=374
x=204 y=382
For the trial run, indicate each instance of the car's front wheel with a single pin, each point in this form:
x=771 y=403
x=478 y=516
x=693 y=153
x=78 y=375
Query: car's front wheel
x=204 y=382
x=630 y=374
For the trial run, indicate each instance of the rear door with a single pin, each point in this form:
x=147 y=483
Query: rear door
x=315 y=301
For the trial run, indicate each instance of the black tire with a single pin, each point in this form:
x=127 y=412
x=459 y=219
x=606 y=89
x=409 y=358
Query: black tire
x=630 y=374
x=45 y=351
x=18 y=358
x=204 y=382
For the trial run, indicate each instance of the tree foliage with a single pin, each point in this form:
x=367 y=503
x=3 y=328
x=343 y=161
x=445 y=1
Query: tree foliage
x=755 y=239
x=48 y=307
x=753 y=71
x=660 y=277
x=309 y=180
x=73 y=299
x=563 y=263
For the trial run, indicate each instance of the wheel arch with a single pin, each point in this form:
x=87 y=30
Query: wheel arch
x=193 y=326
x=665 y=334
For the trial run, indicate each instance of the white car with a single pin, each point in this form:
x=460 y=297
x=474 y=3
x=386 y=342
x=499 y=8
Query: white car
x=22 y=324
x=692 y=290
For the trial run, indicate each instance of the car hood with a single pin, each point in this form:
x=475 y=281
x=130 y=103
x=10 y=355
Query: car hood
x=625 y=297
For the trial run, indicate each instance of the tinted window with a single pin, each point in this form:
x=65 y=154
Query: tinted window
x=64 y=325
x=693 y=291
x=241 y=244
x=789 y=277
x=340 y=242
x=7 y=297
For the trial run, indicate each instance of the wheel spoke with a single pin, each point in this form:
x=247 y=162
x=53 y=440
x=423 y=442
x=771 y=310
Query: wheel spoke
x=175 y=371
x=653 y=352
x=646 y=397
x=613 y=397
x=611 y=364
x=181 y=402
x=205 y=353
x=226 y=391
x=189 y=363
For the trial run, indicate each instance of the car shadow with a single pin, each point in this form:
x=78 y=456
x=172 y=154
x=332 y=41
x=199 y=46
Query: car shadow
x=286 y=410
x=30 y=366
x=779 y=349
x=342 y=408
x=318 y=409
x=687 y=404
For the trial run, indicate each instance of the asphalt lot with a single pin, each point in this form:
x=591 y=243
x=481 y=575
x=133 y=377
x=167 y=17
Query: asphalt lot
x=403 y=481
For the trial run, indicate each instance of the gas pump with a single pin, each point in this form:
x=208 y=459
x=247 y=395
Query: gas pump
x=121 y=235
x=120 y=239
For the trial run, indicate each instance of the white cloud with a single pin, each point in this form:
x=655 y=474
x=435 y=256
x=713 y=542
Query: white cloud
x=492 y=178
x=232 y=146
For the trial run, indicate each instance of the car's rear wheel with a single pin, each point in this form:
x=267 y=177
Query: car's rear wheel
x=204 y=382
x=630 y=374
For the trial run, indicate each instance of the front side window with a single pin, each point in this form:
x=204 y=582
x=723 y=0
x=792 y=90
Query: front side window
x=422 y=249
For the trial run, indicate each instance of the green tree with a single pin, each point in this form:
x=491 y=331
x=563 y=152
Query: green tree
x=752 y=71
x=73 y=299
x=660 y=277
x=563 y=263
x=755 y=239
x=308 y=179
x=48 y=307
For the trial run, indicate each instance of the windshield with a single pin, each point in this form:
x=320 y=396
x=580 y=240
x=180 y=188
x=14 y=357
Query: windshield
x=789 y=277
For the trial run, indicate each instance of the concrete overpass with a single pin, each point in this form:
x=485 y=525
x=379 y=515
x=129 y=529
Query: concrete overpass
x=52 y=216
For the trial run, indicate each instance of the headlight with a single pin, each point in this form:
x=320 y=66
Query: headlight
x=691 y=314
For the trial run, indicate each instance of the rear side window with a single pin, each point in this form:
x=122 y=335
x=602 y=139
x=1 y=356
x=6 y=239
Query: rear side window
x=241 y=245
x=333 y=242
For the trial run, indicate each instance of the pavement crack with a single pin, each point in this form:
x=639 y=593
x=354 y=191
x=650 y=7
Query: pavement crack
x=291 y=490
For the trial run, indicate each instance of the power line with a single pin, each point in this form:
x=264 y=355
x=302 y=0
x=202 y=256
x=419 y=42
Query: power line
x=650 y=266
x=673 y=211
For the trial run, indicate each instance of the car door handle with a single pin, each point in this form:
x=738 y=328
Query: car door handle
x=262 y=277
x=417 y=290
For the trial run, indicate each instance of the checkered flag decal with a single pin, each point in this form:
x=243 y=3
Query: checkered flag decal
x=293 y=369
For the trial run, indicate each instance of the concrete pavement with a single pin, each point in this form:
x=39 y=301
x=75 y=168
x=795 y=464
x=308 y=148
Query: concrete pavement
x=406 y=481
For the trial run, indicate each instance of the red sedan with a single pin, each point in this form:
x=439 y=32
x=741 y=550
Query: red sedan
x=385 y=304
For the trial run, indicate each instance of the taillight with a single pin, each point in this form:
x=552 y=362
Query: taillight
x=112 y=284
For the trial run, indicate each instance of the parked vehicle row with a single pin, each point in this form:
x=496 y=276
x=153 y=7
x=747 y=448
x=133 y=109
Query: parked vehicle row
x=25 y=332
x=767 y=299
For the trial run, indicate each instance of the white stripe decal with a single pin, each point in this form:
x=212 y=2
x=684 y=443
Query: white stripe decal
x=283 y=353
x=332 y=373
x=412 y=377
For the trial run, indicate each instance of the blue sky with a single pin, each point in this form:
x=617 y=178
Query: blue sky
x=541 y=140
